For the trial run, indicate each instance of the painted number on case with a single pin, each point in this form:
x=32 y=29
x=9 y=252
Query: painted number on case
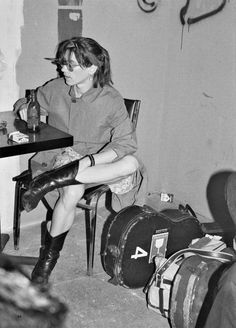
x=139 y=252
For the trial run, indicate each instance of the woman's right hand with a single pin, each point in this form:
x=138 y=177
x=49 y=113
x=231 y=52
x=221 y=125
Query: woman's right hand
x=20 y=108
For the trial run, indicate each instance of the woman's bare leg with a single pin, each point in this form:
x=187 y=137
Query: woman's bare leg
x=108 y=173
x=64 y=211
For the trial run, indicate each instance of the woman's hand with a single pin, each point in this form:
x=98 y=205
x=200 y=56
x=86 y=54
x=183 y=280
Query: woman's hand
x=20 y=108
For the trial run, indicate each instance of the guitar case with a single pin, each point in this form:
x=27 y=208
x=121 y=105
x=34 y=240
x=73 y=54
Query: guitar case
x=127 y=236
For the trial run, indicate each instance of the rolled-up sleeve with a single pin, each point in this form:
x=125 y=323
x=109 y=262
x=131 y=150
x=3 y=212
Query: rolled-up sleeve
x=123 y=138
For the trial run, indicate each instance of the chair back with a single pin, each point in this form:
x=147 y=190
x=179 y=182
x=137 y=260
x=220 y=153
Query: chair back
x=132 y=106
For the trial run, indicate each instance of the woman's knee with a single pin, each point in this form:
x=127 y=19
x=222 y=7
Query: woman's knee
x=71 y=195
x=130 y=164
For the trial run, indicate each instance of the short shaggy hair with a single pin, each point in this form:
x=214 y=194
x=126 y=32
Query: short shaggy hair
x=88 y=52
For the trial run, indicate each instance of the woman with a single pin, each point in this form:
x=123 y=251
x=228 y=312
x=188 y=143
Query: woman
x=83 y=103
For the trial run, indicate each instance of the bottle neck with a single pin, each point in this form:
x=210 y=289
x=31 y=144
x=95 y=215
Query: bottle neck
x=32 y=95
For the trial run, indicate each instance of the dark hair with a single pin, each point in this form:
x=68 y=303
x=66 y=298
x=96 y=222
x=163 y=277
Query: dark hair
x=87 y=52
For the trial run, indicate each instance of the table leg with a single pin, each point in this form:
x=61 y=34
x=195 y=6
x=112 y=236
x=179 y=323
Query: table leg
x=4 y=237
x=20 y=260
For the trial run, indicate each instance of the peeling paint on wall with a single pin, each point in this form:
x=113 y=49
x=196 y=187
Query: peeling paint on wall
x=69 y=19
x=70 y=2
x=38 y=40
x=3 y=64
x=69 y=23
x=11 y=19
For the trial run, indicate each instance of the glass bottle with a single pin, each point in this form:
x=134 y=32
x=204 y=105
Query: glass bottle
x=33 y=112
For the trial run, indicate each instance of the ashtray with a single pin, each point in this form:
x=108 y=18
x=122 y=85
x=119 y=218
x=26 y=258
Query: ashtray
x=3 y=125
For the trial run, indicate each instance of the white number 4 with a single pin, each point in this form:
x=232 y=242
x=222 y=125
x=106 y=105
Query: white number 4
x=139 y=252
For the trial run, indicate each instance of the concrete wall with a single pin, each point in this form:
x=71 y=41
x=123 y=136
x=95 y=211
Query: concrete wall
x=186 y=125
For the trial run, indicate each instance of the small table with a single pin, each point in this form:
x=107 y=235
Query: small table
x=47 y=138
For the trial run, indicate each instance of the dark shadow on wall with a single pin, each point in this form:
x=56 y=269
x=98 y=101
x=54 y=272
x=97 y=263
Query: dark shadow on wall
x=44 y=25
x=39 y=38
x=216 y=197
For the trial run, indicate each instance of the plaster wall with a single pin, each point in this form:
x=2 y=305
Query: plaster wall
x=198 y=123
x=186 y=126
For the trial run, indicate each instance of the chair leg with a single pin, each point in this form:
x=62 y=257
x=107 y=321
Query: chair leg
x=17 y=214
x=91 y=223
x=90 y=238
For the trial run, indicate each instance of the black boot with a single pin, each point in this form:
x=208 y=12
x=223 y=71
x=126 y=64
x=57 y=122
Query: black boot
x=48 y=257
x=45 y=182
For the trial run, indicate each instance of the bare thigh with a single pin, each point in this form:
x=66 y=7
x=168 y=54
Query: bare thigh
x=109 y=172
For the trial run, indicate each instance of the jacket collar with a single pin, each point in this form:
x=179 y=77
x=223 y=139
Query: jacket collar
x=88 y=96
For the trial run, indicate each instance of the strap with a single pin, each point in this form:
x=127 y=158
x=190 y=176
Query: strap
x=190 y=210
x=161 y=301
x=174 y=258
x=92 y=160
x=187 y=209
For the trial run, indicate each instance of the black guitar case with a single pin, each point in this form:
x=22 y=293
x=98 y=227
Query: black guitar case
x=127 y=236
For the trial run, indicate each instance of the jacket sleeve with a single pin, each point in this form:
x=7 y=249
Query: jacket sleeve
x=123 y=138
x=43 y=97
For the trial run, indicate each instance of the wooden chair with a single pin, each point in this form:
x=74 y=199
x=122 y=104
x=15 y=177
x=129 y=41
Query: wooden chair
x=91 y=197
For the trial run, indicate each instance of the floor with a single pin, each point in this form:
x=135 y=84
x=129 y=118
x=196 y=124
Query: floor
x=92 y=301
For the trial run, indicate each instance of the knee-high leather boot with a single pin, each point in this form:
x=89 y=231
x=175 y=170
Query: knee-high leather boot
x=49 y=254
x=45 y=182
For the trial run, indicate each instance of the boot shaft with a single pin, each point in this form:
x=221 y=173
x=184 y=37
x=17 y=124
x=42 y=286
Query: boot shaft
x=49 y=255
x=54 y=243
x=65 y=175
x=48 y=181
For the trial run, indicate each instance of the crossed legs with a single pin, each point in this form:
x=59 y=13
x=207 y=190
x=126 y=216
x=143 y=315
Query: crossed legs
x=73 y=187
x=64 y=211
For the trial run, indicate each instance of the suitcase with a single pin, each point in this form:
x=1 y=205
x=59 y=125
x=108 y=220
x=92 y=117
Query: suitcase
x=127 y=237
x=194 y=289
x=180 y=283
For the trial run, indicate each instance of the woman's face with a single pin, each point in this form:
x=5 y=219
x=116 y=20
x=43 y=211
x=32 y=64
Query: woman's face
x=74 y=74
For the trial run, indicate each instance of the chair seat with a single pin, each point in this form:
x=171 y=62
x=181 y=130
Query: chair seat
x=95 y=191
x=25 y=176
